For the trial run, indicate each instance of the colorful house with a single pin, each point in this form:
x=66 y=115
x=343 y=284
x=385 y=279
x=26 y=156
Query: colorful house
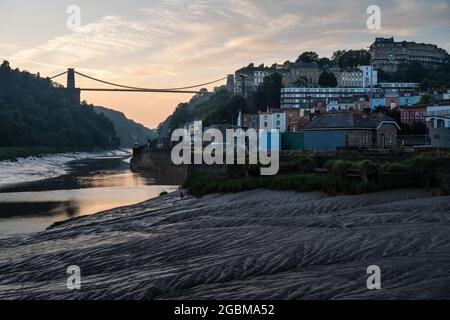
x=392 y=100
x=409 y=100
x=377 y=102
x=409 y=115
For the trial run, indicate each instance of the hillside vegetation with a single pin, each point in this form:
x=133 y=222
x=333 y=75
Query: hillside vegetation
x=35 y=113
x=128 y=131
x=217 y=108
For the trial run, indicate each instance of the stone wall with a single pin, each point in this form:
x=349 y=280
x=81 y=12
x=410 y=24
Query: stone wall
x=158 y=164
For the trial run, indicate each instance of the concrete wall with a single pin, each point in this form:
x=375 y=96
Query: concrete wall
x=158 y=165
x=439 y=137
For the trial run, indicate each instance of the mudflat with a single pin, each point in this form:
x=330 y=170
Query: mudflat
x=259 y=244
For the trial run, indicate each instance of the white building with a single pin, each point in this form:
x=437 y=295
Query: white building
x=438 y=123
x=398 y=86
x=353 y=78
x=369 y=76
x=332 y=105
x=273 y=119
x=302 y=97
x=363 y=77
x=438 y=116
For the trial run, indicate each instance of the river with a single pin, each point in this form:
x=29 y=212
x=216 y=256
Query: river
x=37 y=192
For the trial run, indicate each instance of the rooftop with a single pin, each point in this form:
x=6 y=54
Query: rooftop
x=348 y=120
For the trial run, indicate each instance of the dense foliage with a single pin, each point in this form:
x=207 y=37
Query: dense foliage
x=351 y=58
x=340 y=58
x=128 y=131
x=220 y=108
x=429 y=77
x=33 y=112
x=268 y=94
x=341 y=177
x=327 y=79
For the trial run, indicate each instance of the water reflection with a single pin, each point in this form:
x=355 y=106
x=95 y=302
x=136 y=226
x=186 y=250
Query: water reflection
x=92 y=185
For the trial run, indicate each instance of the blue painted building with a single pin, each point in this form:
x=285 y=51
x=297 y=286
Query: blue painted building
x=377 y=102
x=409 y=100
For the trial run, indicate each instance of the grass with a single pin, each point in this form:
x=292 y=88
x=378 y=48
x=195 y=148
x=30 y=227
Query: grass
x=418 y=171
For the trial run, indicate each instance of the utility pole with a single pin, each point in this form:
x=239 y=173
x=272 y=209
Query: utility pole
x=239 y=119
x=370 y=86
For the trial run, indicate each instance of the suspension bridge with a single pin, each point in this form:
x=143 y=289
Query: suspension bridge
x=74 y=92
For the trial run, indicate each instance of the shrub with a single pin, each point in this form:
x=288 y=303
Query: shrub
x=396 y=167
x=339 y=167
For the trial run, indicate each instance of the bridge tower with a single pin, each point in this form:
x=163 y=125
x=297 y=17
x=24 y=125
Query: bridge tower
x=74 y=93
x=71 y=78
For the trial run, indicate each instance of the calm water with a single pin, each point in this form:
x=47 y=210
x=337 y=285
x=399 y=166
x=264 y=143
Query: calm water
x=88 y=186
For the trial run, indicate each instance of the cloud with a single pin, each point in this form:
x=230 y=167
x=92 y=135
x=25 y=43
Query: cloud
x=175 y=42
x=172 y=34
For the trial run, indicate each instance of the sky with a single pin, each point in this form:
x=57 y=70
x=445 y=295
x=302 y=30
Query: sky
x=172 y=43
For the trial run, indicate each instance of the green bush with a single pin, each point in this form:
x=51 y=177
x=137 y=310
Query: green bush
x=302 y=163
x=339 y=167
x=396 y=167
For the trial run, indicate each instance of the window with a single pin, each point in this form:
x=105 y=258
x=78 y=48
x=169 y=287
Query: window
x=391 y=138
x=365 y=138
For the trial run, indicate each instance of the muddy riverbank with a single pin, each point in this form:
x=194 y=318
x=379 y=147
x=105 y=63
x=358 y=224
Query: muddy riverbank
x=252 y=245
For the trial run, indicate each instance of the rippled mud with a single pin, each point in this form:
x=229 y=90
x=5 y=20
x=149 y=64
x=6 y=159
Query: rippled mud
x=251 y=245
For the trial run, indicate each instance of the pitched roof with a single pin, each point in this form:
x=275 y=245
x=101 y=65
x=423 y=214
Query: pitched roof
x=348 y=120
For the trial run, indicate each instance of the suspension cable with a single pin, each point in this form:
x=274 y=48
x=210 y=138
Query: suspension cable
x=137 y=88
x=58 y=75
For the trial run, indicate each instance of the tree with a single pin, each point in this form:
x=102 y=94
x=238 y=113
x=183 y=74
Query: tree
x=337 y=56
x=327 y=79
x=308 y=57
x=410 y=72
x=383 y=76
x=353 y=58
x=427 y=99
x=35 y=113
x=426 y=84
x=324 y=62
x=268 y=93
x=301 y=82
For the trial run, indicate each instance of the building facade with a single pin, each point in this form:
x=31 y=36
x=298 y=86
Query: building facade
x=364 y=77
x=310 y=72
x=387 y=54
x=399 y=87
x=273 y=119
x=410 y=115
x=250 y=121
x=328 y=132
x=438 y=124
x=304 y=97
